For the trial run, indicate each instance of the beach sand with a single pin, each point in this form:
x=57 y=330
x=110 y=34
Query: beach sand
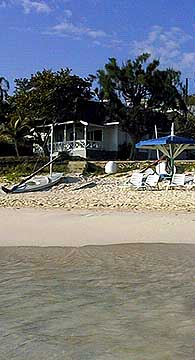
x=58 y=227
x=96 y=210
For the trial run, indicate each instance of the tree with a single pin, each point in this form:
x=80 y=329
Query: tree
x=191 y=100
x=4 y=106
x=15 y=130
x=50 y=97
x=139 y=94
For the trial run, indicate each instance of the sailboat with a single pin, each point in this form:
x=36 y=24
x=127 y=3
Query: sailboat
x=36 y=182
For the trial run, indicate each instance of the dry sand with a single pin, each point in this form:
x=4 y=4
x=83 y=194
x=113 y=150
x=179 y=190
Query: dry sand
x=103 y=193
x=36 y=227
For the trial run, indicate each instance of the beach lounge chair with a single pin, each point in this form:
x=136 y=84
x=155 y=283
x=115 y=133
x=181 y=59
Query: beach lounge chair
x=161 y=170
x=151 y=182
x=189 y=181
x=136 y=179
x=177 y=181
x=193 y=180
x=148 y=171
x=140 y=183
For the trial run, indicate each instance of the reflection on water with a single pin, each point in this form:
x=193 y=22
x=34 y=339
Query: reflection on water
x=131 y=301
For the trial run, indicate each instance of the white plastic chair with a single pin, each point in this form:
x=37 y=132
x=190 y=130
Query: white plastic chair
x=151 y=182
x=178 y=180
x=136 y=180
x=149 y=171
x=161 y=168
x=193 y=181
x=189 y=181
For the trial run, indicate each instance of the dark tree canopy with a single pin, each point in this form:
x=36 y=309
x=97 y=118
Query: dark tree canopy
x=50 y=97
x=139 y=94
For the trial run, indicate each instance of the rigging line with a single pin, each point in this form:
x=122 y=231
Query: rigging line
x=44 y=142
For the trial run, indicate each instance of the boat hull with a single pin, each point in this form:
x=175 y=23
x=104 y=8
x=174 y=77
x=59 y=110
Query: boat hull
x=38 y=183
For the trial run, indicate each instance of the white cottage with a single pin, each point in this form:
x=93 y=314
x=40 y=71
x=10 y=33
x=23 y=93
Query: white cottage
x=88 y=140
x=91 y=135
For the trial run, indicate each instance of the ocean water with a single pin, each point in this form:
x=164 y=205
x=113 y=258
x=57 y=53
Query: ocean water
x=131 y=302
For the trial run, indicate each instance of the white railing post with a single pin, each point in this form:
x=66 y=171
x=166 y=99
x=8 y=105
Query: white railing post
x=74 y=135
x=85 y=135
x=65 y=137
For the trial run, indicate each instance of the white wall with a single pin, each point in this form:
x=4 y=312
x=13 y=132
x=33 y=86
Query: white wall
x=114 y=136
x=111 y=138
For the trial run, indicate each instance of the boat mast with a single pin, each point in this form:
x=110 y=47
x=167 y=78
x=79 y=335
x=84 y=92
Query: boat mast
x=51 y=151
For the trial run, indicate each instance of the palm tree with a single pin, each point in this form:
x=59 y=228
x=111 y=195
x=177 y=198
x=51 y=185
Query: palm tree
x=15 y=130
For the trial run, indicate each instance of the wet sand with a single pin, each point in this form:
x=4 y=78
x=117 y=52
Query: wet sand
x=36 y=227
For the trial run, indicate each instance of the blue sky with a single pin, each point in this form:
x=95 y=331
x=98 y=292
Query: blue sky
x=83 y=34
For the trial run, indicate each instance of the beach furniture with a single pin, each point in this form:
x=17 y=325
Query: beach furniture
x=189 y=181
x=177 y=181
x=148 y=171
x=193 y=181
x=161 y=169
x=151 y=182
x=171 y=146
x=136 y=179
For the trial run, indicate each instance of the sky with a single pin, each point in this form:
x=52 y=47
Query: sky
x=83 y=34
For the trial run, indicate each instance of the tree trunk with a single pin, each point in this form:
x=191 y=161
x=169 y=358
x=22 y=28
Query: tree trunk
x=45 y=149
x=134 y=140
x=132 y=151
x=16 y=148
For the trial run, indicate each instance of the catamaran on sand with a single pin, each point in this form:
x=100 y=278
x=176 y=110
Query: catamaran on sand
x=35 y=182
x=38 y=183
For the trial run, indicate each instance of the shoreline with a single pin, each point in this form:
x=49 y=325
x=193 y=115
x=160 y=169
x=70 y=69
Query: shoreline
x=59 y=227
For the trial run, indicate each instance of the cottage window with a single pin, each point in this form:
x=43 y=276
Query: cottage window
x=94 y=135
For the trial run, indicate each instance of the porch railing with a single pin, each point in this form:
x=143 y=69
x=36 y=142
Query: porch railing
x=77 y=144
x=94 y=145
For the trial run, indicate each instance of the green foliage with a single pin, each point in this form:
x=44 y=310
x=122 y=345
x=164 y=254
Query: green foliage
x=15 y=130
x=50 y=97
x=138 y=95
x=186 y=128
x=191 y=99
